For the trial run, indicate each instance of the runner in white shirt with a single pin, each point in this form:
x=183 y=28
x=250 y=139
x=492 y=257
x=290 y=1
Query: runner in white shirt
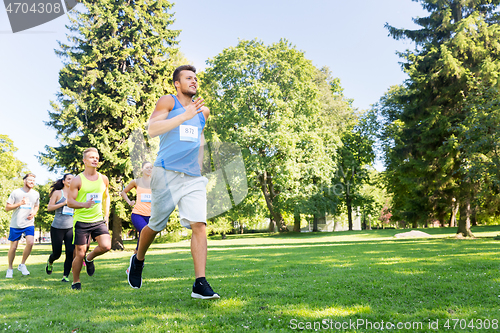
x=24 y=202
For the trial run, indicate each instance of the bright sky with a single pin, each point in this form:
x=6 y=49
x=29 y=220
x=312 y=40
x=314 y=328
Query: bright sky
x=347 y=36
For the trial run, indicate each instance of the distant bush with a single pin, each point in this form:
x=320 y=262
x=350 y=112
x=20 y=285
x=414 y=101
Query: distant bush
x=171 y=237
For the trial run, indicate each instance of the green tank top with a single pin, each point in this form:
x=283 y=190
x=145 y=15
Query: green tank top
x=90 y=189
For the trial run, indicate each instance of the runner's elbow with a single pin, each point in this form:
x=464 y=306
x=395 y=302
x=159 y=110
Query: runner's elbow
x=152 y=133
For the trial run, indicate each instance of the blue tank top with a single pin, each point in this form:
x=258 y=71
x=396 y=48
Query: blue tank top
x=179 y=147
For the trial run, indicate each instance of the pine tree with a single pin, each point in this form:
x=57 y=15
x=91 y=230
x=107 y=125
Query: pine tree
x=426 y=165
x=116 y=65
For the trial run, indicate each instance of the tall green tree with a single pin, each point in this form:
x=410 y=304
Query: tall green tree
x=11 y=174
x=265 y=99
x=374 y=199
x=479 y=141
x=335 y=113
x=425 y=164
x=116 y=65
x=354 y=158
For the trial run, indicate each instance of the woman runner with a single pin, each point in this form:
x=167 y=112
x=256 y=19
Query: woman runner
x=142 y=205
x=62 y=226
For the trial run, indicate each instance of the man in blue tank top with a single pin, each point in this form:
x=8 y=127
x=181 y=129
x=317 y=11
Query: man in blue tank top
x=176 y=179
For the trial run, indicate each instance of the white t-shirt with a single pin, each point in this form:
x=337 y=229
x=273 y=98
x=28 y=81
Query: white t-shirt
x=20 y=216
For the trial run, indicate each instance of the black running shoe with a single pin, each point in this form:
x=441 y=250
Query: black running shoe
x=202 y=290
x=76 y=286
x=134 y=272
x=90 y=266
x=48 y=268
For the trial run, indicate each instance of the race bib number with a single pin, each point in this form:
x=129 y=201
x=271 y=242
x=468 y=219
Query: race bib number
x=27 y=205
x=188 y=133
x=146 y=197
x=96 y=196
x=68 y=211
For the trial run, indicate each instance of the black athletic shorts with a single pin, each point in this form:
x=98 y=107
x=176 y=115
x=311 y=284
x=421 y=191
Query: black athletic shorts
x=84 y=230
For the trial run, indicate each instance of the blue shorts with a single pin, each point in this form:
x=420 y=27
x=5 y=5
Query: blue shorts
x=139 y=221
x=15 y=234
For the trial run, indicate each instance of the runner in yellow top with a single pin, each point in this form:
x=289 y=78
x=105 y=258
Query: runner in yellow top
x=142 y=205
x=89 y=196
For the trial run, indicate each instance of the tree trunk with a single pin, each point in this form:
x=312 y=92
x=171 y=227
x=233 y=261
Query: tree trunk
x=315 y=223
x=456 y=11
x=296 y=221
x=116 y=239
x=441 y=218
x=280 y=222
x=349 y=210
x=454 y=210
x=40 y=235
x=272 y=225
x=464 y=221
x=267 y=188
x=473 y=219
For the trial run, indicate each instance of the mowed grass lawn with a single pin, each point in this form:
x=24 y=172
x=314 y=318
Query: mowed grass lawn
x=359 y=281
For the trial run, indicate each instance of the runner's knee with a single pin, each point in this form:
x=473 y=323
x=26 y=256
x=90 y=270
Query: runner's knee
x=80 y=251
x=30 y=241
x=104 y=242
x=198 y=227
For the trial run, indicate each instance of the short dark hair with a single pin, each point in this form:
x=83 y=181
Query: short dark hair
x=179 y=69
x=28 y=175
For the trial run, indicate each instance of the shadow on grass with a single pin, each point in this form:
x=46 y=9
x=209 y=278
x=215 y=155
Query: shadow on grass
x=374 y=233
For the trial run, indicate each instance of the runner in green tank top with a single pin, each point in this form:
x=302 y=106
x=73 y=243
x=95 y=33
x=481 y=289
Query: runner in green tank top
x=89 y=196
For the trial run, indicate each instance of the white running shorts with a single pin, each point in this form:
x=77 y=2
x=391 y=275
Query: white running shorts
x=172 y=188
